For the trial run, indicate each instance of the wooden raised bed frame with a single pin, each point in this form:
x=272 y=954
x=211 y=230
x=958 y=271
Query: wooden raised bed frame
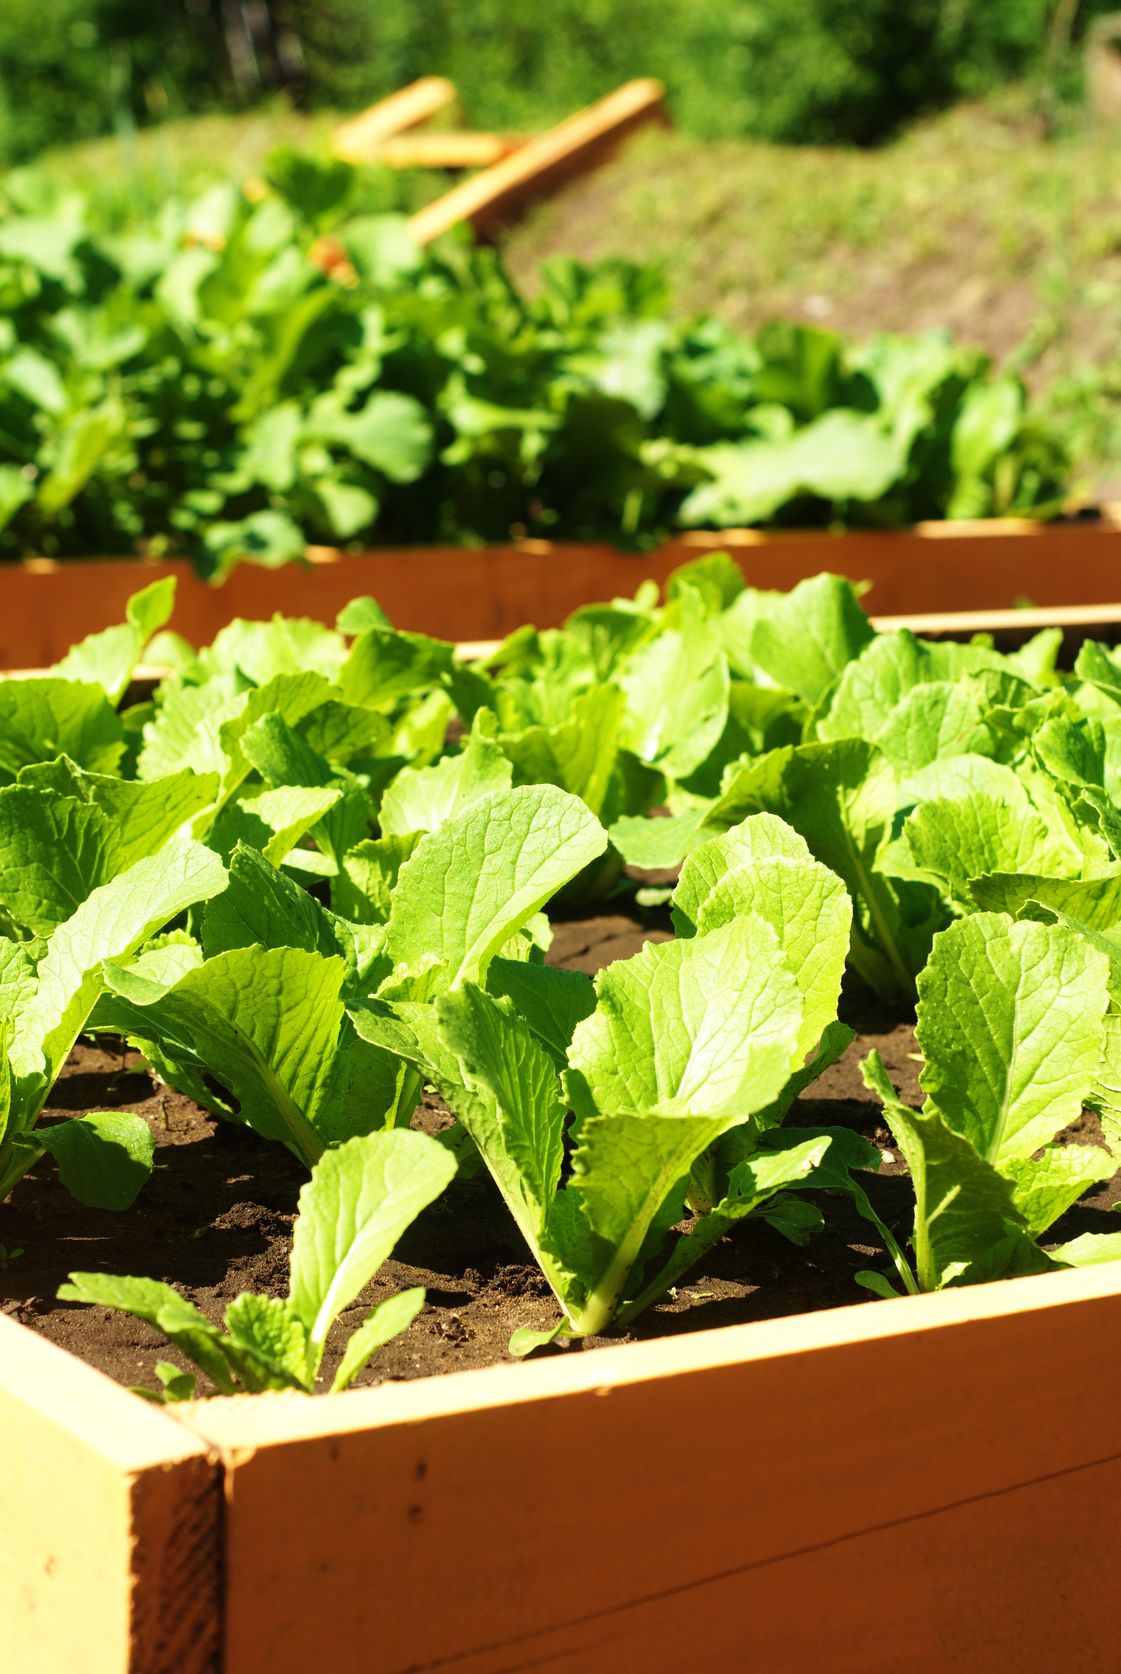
x=481 y=593
x=926 y=1484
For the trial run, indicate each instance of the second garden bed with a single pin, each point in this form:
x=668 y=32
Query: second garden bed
x=475 y=593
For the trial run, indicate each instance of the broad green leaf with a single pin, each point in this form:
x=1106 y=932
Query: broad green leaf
x=839 y=457
x=764 y=867
x=53 y=851
x=841 y=797
x=268 y=1330
x=581 y=753
x=951 y=843
x=422 y=798
x=677 y=688
x=260 y=905
x=550 y=1001
x=161 y=1306
x=1089 y=903
x=624 y=1169
x=42 y=718
x=966 y=1221
x=937 y=721
x=1010 y=1024
x=468 y=887
x=103 y=1157
x=705 y=1027
x=283 y=645
x=805 y=638
x=363 y=889
x=874 y=685
x=657 y=845
x=107 y=659
x=110 y=924
x=274 y=822
x=380 y=1326
x=268 y=1024
x=1089 y=1249
x=143 y=815
x=361 y=1199
x=519 y=1129
x=385 y=666
x=391 y=432
x=1045 y=1187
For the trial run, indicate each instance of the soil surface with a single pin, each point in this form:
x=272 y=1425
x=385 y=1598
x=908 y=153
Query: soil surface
x=215 y=1219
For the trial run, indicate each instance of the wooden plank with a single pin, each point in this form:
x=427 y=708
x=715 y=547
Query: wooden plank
x=109 y=1524
x=625 y=1508
x=484 y=592
x=357 y=140
x=491 y=199
x=446 y=150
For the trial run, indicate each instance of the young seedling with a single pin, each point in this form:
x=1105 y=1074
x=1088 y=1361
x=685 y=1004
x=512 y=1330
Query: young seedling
x=360 y=1199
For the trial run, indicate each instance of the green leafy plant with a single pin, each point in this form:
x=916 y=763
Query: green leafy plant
x=49 y=992
x=676 y=1065
x=206 y=382
x=1010 y=1022
x=362 y=1196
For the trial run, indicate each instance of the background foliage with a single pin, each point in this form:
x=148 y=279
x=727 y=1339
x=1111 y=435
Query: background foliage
x=796 y=70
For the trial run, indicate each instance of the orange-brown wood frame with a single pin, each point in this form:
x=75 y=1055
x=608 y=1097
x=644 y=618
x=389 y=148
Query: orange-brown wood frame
x=479 y=593
x=927 y=1484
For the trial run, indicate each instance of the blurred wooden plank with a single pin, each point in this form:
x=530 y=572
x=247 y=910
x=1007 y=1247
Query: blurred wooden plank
x=619 y=1509
x=492 y=198
x=446 y=151
x=109 y=1524
x=357 y=140
x=482 y=593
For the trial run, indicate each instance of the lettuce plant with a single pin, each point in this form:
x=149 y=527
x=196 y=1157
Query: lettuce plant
x=359 y=1200
x=273 y=1005
x=599 y=1108
x=1011 y=1026
x=49 y=991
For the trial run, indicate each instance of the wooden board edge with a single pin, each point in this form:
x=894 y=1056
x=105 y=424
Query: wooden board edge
x=111 y=1521
x=234 y=1425
x=626 y=1488
x=132 y=1435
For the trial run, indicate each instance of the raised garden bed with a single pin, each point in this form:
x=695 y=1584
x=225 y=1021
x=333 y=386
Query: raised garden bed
x=730 y=1475
x=860 y=1486
x=483 y=593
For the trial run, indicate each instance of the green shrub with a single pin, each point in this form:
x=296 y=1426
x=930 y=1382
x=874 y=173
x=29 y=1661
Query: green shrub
x=790 y=70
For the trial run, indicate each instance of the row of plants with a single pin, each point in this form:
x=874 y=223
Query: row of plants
x=244 y=374
x=310 y=876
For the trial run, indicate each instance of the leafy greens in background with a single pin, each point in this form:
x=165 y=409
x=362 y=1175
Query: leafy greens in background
x=225 y=380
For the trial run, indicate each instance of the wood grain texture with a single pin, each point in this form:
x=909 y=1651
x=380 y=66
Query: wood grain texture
x=109 y=1525
x=926 y=1485
x=492 y=198
x=358 y=140
x=473 y=593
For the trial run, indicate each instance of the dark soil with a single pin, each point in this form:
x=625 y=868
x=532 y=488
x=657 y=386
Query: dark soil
x=216 y=1219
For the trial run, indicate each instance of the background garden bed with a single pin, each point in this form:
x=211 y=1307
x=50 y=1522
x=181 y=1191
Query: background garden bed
x=467 y=593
